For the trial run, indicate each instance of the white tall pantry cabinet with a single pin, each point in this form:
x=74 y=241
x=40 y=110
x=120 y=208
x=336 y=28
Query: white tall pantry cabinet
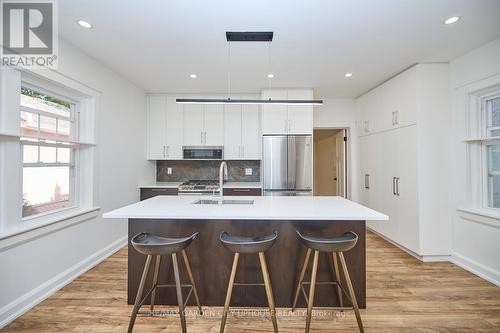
x=403 y=158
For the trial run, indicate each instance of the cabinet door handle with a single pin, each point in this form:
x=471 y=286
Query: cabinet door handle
x=394 y=185
x=397 y=186
x=367 y=181
x=164 y=155
x=241 y=190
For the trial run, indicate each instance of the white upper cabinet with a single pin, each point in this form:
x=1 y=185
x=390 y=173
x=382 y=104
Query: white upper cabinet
x=213 y=124
x=287 y=119
x=274 y=117
x=156 y=127
x=232 y=132
x=393 y=104
x=241 y=132
x=193 y=125
x=165 y=119
x=250 y=132
x=300 y=117
x=174 y=135
x=203 y=124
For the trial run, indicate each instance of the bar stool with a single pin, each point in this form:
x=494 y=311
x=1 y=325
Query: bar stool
x=152 y=245
x=336 y=246
x=249 y=245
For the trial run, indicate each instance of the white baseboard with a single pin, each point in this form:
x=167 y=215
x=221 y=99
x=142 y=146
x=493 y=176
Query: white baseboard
x=424 y=258
x=476 y=268
x=16 y=308
x=468 y=264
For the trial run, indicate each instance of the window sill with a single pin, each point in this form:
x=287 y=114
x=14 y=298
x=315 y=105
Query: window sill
x=483 y=216
x=21 y=235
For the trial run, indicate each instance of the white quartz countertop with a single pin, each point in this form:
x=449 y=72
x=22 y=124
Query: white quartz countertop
x=226 y=185
x=264 y=208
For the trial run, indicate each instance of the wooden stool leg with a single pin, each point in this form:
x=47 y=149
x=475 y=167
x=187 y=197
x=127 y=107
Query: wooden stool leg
x=138 y=297
x=312 y=290
x=269 y=290
x=182 y=315
x=191 y=279
x=155 y=281
x=229 y=292
x=351 y=292
x=301 y=278
x=337 y=278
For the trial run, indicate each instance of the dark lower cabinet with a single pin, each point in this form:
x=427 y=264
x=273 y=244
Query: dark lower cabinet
x=243 y=191
x=147 y=193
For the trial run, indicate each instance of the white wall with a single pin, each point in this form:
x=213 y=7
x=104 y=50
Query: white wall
x=33 y=270
x=476 y=245
x=340 y=113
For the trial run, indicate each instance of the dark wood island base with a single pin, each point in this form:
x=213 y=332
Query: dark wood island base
x=211 y=262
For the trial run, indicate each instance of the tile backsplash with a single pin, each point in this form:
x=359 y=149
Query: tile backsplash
x=206 y=170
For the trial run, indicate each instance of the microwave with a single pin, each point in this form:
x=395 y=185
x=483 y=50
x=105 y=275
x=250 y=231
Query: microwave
x=203 y=152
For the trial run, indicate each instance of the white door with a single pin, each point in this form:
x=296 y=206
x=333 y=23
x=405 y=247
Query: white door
x=274 y=117
x=214 y=124
x=250 y=132
x=156 y=127
x=340 y=166
x=174 y=133
x=232 y=132
x=300 y=117
x=193 y=125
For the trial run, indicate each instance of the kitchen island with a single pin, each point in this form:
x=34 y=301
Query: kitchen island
x=178 y=216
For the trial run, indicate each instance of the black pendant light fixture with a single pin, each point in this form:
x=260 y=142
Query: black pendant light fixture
x=261 y=36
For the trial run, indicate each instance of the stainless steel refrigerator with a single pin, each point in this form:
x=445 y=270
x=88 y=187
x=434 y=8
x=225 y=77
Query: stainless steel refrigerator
x=287 y=164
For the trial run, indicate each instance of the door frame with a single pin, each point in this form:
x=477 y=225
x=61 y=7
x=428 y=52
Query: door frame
x=347 y=157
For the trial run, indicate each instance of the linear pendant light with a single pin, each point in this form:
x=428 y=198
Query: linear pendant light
x=247 y=37
x=249 y=101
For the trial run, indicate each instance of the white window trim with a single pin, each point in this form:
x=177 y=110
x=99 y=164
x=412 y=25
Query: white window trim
x=472 y=99
x=87 y=100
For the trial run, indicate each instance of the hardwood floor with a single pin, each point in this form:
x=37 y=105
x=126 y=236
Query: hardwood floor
x=403 y=295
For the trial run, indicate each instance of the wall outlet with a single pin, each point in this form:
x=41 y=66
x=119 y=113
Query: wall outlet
x=169 y=171
x=248 y=171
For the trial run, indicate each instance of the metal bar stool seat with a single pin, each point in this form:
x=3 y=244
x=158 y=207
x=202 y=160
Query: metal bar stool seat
x=152 y=245
x=341 y=243
x=336 y=245
x=249 y=245
x=241 y=244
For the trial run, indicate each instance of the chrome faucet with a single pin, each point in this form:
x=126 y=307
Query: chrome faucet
x=222 y=176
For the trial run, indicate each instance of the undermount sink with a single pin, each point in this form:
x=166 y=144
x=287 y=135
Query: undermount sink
x=222 y=202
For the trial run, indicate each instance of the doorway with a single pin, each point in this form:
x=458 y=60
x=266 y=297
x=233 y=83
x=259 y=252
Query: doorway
x=330 y=162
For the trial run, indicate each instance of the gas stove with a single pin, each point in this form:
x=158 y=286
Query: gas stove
x=199 y=187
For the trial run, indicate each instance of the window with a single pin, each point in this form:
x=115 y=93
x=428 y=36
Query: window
x=48 y=132
x=492 y=147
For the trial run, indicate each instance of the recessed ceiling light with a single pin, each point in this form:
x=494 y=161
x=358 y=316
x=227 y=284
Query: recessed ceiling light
x=84 y=24
x=348 y=74
x=270 y=76
x=193 y=76
x=452 y=20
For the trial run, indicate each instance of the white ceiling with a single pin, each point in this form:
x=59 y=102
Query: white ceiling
x=158 y=43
